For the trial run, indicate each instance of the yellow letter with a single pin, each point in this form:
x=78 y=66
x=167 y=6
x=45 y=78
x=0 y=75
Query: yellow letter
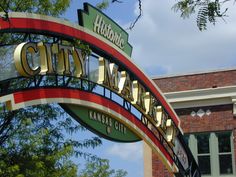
x=138 y=95
x=161 y=119
x=45 y=58
x=125 y=86
x=149 y=101
x=63 y=66
x=108 y=74
x=170 y=132
x=22 y=61
x=78 y=62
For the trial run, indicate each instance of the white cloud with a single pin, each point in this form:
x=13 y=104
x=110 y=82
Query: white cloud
x=126 y=151
x=165 y=43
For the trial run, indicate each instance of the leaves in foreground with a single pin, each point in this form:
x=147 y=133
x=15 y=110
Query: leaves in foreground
x=37 y=143
x=208 y=11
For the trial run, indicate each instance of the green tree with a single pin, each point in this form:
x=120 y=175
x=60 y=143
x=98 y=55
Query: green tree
x=208 y=11
x=37 y=144
x=46 y=7
x=101 y=169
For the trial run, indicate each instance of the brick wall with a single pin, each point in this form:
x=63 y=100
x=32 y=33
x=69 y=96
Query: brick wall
x=158 y=169
x=220 y=118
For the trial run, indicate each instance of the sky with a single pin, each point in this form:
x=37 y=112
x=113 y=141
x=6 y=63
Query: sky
x=165 y=44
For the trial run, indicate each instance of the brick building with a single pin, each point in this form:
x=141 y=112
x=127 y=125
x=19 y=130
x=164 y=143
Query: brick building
x=206 y=106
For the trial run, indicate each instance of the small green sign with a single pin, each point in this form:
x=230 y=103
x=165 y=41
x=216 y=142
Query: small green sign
x=98 y=22
x=101 y=123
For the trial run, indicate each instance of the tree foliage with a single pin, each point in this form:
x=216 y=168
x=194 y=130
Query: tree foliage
x=101 y=169
x=36 y=148
x=103 y=4
x=46 y=7
x=36 y=144
x=207 y=10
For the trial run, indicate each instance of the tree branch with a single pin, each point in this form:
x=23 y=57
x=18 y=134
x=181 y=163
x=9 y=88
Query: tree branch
x=138 y=17
x=6 y=123
x=5 y=127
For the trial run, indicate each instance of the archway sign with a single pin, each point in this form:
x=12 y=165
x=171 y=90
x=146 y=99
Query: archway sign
x=44 y=60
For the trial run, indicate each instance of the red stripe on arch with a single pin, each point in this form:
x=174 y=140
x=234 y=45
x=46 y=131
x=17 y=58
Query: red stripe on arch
x=49 y=93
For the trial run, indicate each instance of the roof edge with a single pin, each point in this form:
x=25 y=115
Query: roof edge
x=192 y=73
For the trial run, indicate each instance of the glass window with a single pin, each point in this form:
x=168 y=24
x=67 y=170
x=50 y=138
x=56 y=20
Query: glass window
x=204 y=164
x=225 y=153
x=203 y=156
x=226 y=164
x=203 y=143
x=224 y=142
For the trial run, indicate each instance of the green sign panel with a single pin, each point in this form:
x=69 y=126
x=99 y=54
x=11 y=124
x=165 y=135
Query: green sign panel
x=98 y=22
x=101 y=123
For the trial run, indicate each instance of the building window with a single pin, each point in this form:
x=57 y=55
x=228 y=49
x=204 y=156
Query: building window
x=213 y=153
x=203 y=154
x=225 y=153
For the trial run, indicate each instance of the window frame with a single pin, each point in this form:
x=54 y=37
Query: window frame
x=213 y=152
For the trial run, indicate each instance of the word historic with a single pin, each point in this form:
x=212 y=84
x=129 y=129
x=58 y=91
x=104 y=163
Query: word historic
x=106 y=30
x=56 y=59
